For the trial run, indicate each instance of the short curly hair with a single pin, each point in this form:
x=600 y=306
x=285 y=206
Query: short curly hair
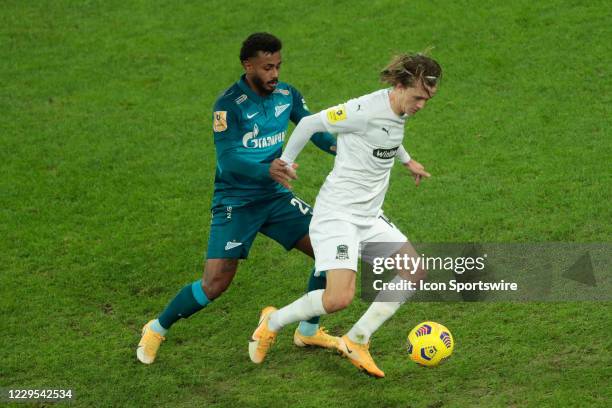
x=255 y=42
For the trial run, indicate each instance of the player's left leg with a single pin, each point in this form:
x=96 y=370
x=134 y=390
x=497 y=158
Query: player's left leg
x=232 y=232
x=385 y=306
x=288 y=224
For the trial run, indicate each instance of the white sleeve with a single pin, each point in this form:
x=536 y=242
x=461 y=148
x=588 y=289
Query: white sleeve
x=402 y=155
x=302 y=133
x=349 y=117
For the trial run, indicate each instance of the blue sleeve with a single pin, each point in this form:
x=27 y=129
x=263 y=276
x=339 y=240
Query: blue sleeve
x=228 y=144
x=322 y=140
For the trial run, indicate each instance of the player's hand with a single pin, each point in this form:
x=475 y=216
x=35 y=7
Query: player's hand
x=417 y=170
x=283 y=173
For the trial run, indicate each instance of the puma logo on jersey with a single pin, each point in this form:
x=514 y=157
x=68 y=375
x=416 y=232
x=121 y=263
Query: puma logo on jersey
x=386 y=131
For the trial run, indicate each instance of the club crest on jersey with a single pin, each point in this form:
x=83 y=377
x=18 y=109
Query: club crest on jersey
x=250 y=140
x=220 y=121
x=336 y=114
x=278 y=110
x=385 y=153
x=342 y=252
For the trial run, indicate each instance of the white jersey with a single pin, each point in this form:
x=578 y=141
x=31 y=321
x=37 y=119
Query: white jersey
x=369 y=136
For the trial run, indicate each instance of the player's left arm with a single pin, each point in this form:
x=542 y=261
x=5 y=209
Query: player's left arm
x=323 y=140
x=413 y=166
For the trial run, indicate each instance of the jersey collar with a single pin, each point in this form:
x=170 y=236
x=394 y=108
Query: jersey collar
x=242 y=83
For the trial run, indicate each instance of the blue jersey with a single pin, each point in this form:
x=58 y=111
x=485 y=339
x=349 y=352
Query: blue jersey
x=249 y=132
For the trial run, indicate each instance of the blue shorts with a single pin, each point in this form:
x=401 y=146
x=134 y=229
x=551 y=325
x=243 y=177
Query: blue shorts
x=284 y=218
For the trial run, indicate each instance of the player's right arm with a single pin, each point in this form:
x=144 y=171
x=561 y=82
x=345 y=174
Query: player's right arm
x=228 y=143
x=346 y=119
x=302 y=133
x=299 y=110
x=283 y=170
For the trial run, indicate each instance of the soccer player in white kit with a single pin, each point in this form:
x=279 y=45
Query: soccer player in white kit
x=348 y=211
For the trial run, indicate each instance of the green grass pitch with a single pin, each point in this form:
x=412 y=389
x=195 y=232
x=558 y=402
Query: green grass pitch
x=107 y=164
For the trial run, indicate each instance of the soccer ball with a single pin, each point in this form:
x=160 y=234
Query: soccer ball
x=430 y=344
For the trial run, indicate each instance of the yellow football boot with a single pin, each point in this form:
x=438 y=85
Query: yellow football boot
x=262 y=338
x=319 y=339
x=359 y=355
x=149 y=344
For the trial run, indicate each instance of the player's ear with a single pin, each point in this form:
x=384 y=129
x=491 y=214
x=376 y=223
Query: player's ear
x=248 y=66
x=400 y=88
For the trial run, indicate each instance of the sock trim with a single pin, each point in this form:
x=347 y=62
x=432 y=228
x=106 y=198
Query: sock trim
x=198 y=293
x=157 y=327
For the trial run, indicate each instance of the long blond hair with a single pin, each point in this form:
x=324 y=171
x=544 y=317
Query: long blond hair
x=411 y=69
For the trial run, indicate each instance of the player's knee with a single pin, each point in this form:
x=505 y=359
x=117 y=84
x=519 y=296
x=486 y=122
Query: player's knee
x=420 y=274
x=215 y=281
x=336 y=301
x=413 y=275
x=214 y=287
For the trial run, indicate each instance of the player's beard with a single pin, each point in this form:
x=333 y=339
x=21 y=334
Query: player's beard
x=259 y=84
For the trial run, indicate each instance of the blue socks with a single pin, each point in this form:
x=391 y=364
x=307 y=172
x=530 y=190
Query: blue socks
x=188 y=301
x=310 y=327
x=192 y=299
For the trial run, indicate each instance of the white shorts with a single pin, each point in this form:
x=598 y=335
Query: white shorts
x=336 y=238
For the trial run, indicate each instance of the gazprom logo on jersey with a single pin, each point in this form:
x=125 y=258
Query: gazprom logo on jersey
x=385 y=153
x=250 y=140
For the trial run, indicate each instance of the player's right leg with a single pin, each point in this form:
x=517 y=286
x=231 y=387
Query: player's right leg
x=335 y=242
x=288 y=224
x=308 y=332
x=337 y=295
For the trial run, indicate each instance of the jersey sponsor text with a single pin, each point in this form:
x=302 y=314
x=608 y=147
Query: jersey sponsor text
x=385 y=153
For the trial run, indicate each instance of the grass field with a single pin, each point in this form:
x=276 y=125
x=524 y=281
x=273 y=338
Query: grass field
x=107 y=163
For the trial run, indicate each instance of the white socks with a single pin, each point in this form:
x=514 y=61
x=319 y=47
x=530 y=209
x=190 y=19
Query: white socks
x=309 y=305
x=378 y=313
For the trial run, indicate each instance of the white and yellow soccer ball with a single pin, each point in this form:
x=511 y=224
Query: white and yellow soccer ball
x=430 y=344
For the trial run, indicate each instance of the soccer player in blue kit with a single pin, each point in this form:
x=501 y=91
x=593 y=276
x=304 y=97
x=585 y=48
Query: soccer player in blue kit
x=250 y=120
